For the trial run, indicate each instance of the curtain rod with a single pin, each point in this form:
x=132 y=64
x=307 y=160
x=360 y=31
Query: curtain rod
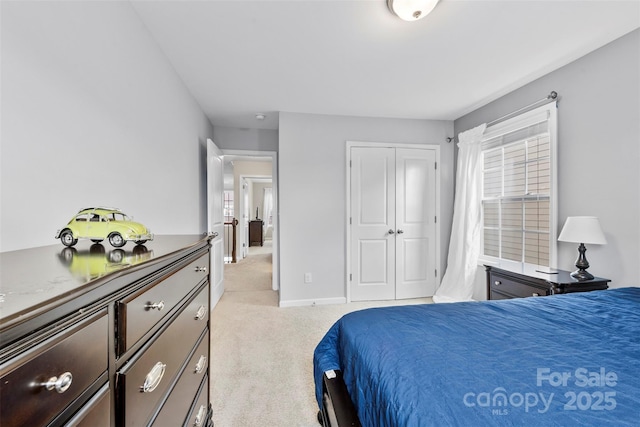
x=552 y=95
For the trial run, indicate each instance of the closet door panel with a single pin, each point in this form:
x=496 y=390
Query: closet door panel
x=415 y=222
x=373 y=217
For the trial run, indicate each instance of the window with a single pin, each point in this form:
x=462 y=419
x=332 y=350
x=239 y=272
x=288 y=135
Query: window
x=518 y=183
x=228 y=206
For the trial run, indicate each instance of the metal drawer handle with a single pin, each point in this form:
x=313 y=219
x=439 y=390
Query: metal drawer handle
x=202 y=311
x=202 y=413
x=201 y=269
x=59 y=384
x=497 y=283
x=158 y=305
x=201 y=365
x=153 y=378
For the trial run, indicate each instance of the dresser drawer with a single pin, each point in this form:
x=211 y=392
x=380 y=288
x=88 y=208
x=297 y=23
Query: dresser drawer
x=198 y=417
x=175 y=410
x=497 y=295
x=505 y=285
x=144 y=381
x=141 y=311
x=50 y=376
x=96 y=413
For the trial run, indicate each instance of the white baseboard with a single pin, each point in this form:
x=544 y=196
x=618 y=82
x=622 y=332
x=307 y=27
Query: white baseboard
x=312 y=302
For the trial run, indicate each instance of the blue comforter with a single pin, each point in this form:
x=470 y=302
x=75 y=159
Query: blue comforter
x=565 y=360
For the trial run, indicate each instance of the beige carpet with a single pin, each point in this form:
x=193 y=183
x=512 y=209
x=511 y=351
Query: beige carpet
x=262 y=355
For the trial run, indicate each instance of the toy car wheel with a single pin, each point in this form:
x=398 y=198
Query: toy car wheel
x=97 y=240
x=140 y=242
x=116 y=240
x=66 y=237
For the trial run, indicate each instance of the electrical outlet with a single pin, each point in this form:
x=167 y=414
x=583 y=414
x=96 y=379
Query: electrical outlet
x=308 y=278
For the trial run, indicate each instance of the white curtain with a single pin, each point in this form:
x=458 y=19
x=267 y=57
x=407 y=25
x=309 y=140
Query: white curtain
x=464 y=247
x=267 y=206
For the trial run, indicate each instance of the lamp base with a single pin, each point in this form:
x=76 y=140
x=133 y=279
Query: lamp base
x=582 y=264
x=582 y=275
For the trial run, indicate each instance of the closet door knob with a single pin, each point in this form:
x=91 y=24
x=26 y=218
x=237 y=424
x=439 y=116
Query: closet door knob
x=391 y=231
x=400 y=231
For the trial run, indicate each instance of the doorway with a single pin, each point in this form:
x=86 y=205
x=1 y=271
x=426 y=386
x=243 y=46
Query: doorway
x=393 y=206
x=248 y=175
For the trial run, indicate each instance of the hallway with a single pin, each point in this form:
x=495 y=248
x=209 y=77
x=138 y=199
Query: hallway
x=253 y=273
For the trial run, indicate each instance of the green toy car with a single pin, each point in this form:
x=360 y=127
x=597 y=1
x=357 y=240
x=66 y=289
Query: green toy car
x=98 y=224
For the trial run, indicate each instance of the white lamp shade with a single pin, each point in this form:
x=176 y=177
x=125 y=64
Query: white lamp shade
x=582 y=229
x=411 y=10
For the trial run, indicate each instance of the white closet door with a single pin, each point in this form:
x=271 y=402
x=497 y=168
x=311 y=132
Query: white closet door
x=373 y=223
x=393 y=223
x=415 y=223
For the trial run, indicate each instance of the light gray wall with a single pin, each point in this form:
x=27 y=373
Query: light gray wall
x=312 y=194
x=249 y=169
x=258 y=199
x=93 y=113
x=245 y=139
x=598 y=152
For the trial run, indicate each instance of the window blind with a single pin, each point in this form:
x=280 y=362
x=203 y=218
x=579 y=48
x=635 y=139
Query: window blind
x=518 y=189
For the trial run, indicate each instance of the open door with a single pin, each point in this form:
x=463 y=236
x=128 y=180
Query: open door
x=215 y=219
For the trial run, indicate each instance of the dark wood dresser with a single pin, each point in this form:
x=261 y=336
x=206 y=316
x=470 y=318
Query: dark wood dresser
x=504 y=283
x=256 y=236
x=102 y=337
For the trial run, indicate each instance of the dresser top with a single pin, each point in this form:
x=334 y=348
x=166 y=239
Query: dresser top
x=39 y=277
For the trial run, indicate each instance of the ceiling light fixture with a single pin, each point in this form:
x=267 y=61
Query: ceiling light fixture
x=261 y=116
x=411 y=10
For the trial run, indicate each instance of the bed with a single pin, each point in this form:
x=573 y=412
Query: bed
x=561 y=360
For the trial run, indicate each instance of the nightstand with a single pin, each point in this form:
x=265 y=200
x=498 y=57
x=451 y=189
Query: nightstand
x=256 y=235
x=504 y=283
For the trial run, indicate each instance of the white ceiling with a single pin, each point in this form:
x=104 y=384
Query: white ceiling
x=342 y=57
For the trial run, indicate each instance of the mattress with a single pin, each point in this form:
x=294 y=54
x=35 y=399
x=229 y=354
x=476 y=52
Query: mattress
x=561 y=360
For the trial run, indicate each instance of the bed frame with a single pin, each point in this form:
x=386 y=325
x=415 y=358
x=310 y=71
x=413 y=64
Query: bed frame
x=337 y=408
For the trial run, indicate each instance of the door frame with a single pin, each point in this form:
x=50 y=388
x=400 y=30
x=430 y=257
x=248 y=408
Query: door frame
x=364 y=144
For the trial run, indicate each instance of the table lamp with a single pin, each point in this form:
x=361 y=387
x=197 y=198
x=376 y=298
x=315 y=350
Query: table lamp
x=582 y=229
